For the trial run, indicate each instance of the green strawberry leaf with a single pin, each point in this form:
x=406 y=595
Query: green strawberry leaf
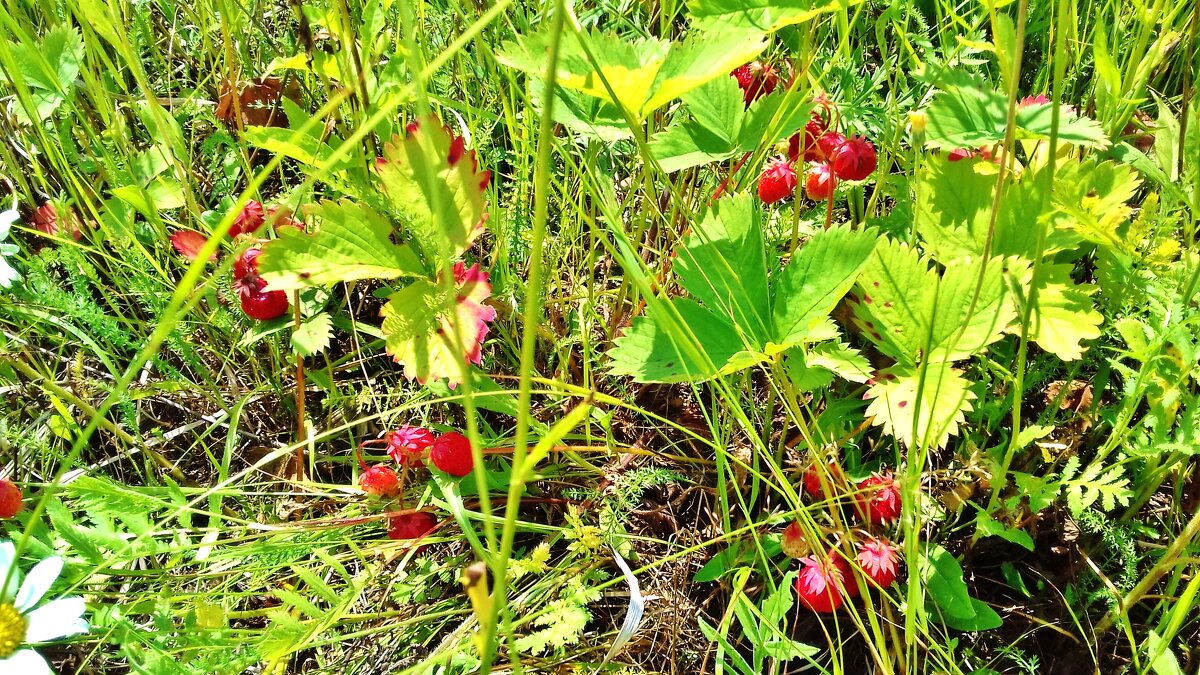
x=760 y=15
x=720 y=127
x=896 y=301
x=312 y=337
x=920 y=411
x=723 y=264
x=644 y=75
x=951 y=601
x=49 y=70
x=1063 y=316
x=419 y=332
x=815 y=280
x=972 y=309
x=587 y=115
x=651 y=352
x=971 y=116
x=441 y=203
x=352 y=242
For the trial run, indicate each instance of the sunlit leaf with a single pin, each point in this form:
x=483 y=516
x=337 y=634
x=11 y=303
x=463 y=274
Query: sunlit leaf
x=920 y=407
x=761 y=15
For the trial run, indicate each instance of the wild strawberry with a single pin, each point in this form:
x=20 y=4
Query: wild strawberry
x=411 y=525
x=451 y=452
x=756 y=80
x=10 y=499
x=854 y=159
x=878 y=558
x=804 y=144
x=819 y=182
x=379 y=481
x=959 y=154
x=1039 y=99
x=264 y=305
x=822 y=583
x=250 y=219
x=878 y=499
x=828 y=144
x=407 y=445
x=794 y=545
x=778 y=181
x=812 y=479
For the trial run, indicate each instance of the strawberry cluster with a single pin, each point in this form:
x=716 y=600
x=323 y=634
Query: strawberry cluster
x=829 y=155
x=827 y=579
x=410 y=447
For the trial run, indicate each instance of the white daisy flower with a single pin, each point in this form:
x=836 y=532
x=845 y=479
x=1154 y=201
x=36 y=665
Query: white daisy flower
x=23 y=622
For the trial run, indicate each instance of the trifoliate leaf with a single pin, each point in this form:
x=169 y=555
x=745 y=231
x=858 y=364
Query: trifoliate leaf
x=1063 y=315
x=644 y=75
x=352 y=242
x=723 y=264
x=436 y=187
x=815 y=280
x=654 y=348
x=971 y=311
x=920 y=411
x=312 y=337
x=760 y=15
x=584 y=114
x=50 y=70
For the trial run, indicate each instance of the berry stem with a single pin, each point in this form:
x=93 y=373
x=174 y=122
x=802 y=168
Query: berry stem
x=725 y=183
x=301 y=429
x=829 y=211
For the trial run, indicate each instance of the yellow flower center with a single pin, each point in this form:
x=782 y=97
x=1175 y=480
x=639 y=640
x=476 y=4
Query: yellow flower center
x=12 y=630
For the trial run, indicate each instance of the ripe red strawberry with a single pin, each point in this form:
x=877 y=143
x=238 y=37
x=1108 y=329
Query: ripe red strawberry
x=793 y=543
x=451 y=452
x=265 y=305
x=827 y=146
x=854 y=159
x=804 y=144
x=756 y=80
x=812 y=479
x=1040 y=99
x=379 y=481
x=250 y=219
x=778 y=181
x=819 y=182
x=10 y=499
x=878 y=499
x=411 y=525
x=408 y=445
x=878 y=558
x=822 y=584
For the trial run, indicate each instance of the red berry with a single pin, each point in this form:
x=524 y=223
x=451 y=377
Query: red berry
x=819 y=182
x=379 y=481
x=1040 y=99
x=827 y=146
x=812 y=479
x=451 y=452
x=960 y=154
x=878 y=499
x=822 y=583
x=794 y=545
x=245 y=273
x=878 y=558
x=407 y=445
x=778 y=181
x=854 y=159
x=10 y=499
x=804 y=144
x=250 y=219
x=265 y=305
x=411 y=525
x=756 y=80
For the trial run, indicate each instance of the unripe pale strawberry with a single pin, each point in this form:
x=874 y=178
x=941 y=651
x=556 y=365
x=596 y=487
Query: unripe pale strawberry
x=451 y=452
x=777 y=182
x=854 y=159
x=878 y=499
x=379 y=481
x=819 y=182
x=792 y=541
x=10 y=499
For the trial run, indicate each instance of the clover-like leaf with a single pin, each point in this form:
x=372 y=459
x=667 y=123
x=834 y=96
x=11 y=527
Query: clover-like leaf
x=920 y=406
x=436 y=187
x=658 y=348
x=352 y=242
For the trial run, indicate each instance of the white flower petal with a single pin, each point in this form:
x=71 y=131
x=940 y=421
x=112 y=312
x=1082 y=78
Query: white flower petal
x=59 y=619
x=8 y=565
x=25 y=662
x=37 y=582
